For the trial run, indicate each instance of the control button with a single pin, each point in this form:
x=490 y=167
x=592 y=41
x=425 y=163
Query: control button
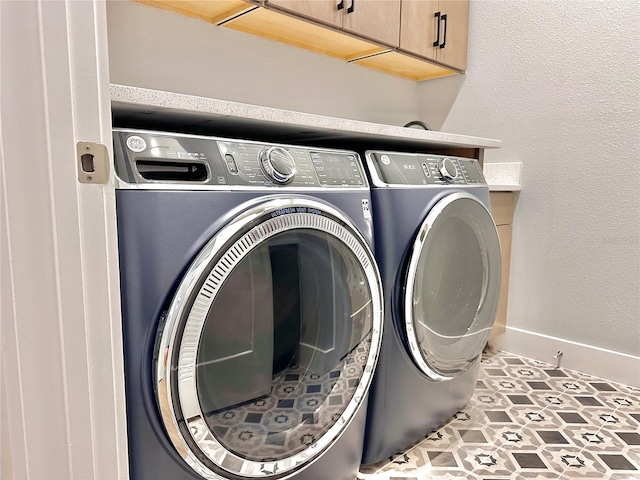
x=447 y=169
x=385 y=159
x=232 y=166
x=277 y=164
x=425 y=169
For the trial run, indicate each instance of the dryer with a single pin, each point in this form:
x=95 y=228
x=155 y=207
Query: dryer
x=439 y=255
x=251 y=306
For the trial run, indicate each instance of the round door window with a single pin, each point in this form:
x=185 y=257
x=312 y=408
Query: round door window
x=270 y=342
x=453 y=283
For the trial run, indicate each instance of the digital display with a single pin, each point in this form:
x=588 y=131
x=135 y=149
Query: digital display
x=337 y=169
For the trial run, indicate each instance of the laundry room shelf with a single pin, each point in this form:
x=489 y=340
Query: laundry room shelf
x=141 y=107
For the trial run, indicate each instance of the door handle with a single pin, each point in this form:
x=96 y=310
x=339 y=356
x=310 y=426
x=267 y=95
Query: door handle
x=352 y=7
x=444 y=39
x=340 y=6
x=437 y=42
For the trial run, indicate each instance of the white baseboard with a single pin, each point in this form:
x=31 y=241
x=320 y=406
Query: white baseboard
x=607 y=364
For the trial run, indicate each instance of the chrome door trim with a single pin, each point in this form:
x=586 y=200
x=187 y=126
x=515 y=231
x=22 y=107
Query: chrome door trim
x=416 y=251
x=281 y=219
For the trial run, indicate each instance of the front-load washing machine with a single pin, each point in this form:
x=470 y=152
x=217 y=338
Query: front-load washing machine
x=439 y=255
x=251 y=307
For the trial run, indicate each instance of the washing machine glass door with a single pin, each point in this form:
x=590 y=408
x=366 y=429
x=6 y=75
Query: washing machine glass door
x=270 y=342
x=452 y=286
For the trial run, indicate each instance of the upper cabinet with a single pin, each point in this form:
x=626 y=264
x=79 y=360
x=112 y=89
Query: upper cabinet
x=323 y=11
x=437 y=30
x=415 y=39
x=377 y=20
x=314 y=25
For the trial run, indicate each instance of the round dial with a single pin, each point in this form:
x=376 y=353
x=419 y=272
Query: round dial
x=447 y=169
x=277 y=164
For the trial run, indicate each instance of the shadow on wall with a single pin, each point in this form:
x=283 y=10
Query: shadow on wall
x=436 y=98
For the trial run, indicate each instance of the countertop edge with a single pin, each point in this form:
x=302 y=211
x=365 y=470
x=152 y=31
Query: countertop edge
x=169 y=101
x=505 y=188
x=503 y=176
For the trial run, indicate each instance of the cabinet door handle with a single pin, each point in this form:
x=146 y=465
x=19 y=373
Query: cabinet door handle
x=444 y=39
x=437 y=42
x=352 y=7
x=340 y=6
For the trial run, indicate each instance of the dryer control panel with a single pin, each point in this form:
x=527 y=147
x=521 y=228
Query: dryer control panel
x=155 y=158
x=394 y=168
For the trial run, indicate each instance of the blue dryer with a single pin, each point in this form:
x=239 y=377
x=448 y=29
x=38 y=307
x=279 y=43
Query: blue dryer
x=439 y=255
x=251 y=305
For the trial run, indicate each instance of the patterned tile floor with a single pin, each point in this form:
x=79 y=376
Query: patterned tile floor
x=529 y=420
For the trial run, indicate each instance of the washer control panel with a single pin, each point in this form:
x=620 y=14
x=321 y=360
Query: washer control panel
x=146 y=157
x=395 y=168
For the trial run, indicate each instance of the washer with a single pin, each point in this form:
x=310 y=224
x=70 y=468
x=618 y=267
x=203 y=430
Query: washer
x=251 y=305
x=439 y=255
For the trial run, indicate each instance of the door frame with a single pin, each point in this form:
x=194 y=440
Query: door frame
x=63 y=408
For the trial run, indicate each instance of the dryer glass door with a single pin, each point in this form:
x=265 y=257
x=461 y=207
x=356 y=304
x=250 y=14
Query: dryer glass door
x=453 y=283
x=270 y=341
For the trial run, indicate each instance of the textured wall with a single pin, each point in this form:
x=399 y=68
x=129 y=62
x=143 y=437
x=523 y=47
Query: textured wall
x=161 y=50
x=558 y=83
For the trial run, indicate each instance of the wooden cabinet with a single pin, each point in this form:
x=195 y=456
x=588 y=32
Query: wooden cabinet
x=502 y=206
x=323 y=11
x=392 y=36
x=378 y=20
x=437 y=30
x=290 y=27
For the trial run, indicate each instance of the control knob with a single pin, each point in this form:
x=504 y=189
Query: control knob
x=447 y=169
x=277 y=164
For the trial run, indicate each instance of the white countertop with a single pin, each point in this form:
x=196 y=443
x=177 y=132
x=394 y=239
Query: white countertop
x=504 y=177
x=133 y=105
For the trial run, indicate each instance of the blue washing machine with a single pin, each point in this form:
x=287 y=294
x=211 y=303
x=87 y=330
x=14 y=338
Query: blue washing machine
x=439 y=255
x=251 y=307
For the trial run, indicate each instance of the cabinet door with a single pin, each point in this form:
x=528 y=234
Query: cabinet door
x=324 y=11
x=375 y=19
x=454 y=52
x=419 y=27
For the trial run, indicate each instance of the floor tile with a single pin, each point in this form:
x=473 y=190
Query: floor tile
x=529 y=460
x=575 y=463
x=630 y=438
x=529 y=420
x=617 y=462
x=498 y=416
x=442 y=459
x=572 y=417
x=594 y=439
x=552 y=437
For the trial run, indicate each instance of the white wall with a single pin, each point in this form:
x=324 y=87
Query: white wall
x=161 y=50
x=558 y=83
